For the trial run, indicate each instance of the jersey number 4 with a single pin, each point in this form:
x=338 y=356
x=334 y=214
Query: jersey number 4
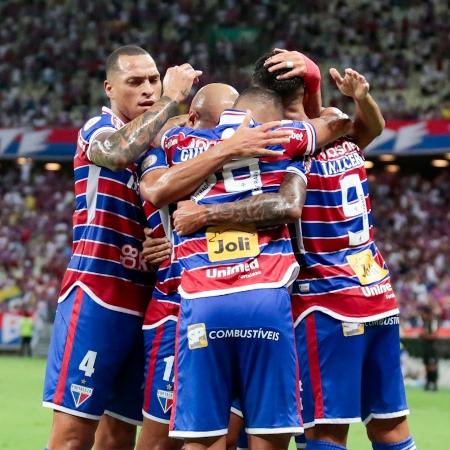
x=87 y=363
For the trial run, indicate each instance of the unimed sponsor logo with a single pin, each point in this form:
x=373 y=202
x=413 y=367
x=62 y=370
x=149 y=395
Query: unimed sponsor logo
x=370 y=291
x=242 y=268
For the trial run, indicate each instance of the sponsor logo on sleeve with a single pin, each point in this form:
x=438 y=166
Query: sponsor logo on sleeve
x=148 y=162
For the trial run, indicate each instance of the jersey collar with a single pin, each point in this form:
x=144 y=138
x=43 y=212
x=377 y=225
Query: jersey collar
x=117 y=122
x=233 y=117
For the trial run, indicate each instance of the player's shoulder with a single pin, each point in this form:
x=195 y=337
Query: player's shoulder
x=104 y=121
x=172 y=136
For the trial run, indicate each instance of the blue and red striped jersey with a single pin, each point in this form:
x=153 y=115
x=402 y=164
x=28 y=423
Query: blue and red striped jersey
x=342 y=270
x=224 y=259
x=107 y=229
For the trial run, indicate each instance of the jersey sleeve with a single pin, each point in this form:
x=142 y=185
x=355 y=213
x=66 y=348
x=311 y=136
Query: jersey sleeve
x=303 y=138
x=92 y=128
x=298 y=168
x=171 y=139
x=154 y=158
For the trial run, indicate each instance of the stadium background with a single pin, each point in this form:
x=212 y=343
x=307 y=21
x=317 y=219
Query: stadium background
x=52 y=57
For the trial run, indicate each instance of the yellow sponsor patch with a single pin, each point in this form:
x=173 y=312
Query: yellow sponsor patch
x=366 y=268
x=352 y=329
x=197 y=337
x=228 y=242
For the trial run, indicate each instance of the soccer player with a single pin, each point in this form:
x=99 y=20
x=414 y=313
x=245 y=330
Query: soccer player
x=94 y=366
x=344 y=306
x=162 y=312
x=242 y=274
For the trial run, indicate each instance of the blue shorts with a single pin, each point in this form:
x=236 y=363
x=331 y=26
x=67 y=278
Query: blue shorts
x=349 y=371
x=159 y=343
x=95 y=361
x=225 y=347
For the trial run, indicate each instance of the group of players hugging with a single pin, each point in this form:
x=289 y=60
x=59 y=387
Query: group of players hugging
x=225 y=288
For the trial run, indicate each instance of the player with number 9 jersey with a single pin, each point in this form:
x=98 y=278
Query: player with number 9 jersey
x=344 y=308
x=343 y=272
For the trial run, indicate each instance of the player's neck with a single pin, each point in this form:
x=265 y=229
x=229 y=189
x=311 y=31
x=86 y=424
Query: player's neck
x=294 y=110
x=117 y=113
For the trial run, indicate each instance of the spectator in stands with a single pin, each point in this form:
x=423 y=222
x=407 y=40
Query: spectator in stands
x=50 y=70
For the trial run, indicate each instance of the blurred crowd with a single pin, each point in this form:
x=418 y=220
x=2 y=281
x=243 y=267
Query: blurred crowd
x=411 y=214
x=52 y=52
x=35 y=235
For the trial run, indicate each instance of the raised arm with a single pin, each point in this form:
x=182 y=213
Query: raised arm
x=368 y=122
x=116 y=150
x=164 y=186
x=280 y=207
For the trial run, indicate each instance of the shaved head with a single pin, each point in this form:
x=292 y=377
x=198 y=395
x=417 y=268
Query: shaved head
x=210 y=102
x=133 y=83
x=112 y=62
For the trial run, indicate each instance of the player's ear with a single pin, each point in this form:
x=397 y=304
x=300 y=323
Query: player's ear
x=108 y=89
x=193 y=117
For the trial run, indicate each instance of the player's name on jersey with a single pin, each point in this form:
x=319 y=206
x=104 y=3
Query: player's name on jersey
x=343 y=164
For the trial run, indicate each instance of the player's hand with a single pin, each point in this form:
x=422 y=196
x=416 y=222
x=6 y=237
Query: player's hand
x=155 y=250
x=247 y=142
x=300 y=66
x=189 y=217
x=353 y=84
x=178 y=81
x=285 y=59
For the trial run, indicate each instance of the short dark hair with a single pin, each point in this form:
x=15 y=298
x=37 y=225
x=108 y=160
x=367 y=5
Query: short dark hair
x=260 y=94
x=129 y=50
x=263 y=78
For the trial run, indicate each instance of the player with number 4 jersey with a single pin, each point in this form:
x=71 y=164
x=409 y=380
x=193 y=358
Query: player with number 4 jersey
x=95 y=363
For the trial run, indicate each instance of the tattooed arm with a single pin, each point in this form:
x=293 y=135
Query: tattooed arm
x=261 y=210
x=118 y=149
x=163 y=186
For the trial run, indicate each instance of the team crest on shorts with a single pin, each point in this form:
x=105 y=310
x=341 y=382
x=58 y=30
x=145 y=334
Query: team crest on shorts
x=197 y=336
x=80 y=394
x=165 y=399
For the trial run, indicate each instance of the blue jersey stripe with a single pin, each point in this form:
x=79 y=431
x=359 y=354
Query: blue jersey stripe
x=107 y=267
x=104 y=235
x=333 y=229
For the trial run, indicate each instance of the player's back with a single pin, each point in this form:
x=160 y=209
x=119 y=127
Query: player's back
x=226 y=258
x=342 y=271
x=108 y=226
